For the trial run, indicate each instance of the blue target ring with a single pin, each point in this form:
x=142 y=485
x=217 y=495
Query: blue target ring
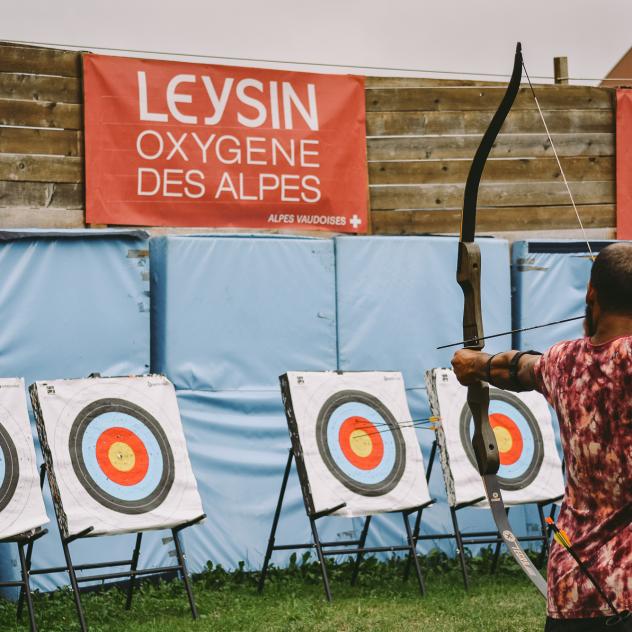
x=360 y=409
x=522 y=426
x=385 y=473
x=102 y=416
x=95 y=429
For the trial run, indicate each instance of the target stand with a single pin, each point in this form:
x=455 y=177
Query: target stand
x=356 y=455
x=530 y=471
x=22 y=511
x=116 y=462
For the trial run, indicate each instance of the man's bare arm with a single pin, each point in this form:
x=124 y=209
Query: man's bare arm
x=473 y=366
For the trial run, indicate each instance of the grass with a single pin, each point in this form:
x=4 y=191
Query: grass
x=294 y=600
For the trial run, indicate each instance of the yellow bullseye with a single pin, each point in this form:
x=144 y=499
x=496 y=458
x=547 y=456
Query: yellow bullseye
x=360 y=443
x=121 y=456
x=503 y=438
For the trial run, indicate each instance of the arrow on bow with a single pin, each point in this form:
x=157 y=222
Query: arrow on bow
x=469 y=278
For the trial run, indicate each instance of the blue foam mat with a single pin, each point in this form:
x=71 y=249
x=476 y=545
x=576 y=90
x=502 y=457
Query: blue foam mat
x=550 y=280
x=398 y=300
x=234 y=312
x=73 y=303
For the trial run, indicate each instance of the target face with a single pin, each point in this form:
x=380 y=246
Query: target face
x=520 y=442
x=360 y=441
x=121 y=456
x=21 y=501
x=356 y=451
x=117 y=453
x=9 y=468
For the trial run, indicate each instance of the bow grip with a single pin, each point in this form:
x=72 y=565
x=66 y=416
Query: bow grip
x=484 y=439
x=468 y=276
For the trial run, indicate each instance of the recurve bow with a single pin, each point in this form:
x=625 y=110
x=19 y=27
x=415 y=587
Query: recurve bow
x=469 y=278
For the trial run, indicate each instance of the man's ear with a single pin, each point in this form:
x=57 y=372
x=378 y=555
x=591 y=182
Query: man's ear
x=591 y=294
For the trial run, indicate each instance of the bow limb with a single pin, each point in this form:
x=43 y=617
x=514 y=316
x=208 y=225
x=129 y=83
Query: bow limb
x=469 y=278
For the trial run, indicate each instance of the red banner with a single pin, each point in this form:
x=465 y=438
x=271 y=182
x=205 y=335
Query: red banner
x=179 y=144
x=624 y=164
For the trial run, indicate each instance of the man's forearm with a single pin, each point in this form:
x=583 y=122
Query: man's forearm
x=474 y=365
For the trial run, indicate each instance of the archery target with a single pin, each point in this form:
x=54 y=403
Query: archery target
x=21 y=503
x=121 y=456
x=118 y=453
x=357 y=443
x=530 y=468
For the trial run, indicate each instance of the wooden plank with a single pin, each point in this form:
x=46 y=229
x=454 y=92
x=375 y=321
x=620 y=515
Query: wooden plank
x=494 y=219
x=496 y=170
x=41 y=218
x=486 y=98
x=424 y=82
x=41 y=195
x=450 y=196
x=506 y=145
x=26 y=168
x=40 y=61
x=474 y=122
x=24 y=140
x=40 y=87
x=40 y=114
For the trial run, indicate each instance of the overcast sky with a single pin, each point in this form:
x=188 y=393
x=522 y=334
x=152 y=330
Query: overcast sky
x=463 y=36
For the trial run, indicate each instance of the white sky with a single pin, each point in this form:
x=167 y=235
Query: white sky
x=453 y=35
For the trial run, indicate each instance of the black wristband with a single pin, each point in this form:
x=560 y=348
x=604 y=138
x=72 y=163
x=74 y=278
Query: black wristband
x=488 y=368
x=513 y=368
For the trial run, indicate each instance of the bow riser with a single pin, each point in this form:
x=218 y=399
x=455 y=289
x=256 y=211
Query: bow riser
x=468 y=276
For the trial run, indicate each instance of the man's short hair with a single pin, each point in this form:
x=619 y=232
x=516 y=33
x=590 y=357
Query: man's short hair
x=611 y=276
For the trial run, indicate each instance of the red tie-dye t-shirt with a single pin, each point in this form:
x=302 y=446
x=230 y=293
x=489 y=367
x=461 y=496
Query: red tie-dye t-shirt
x=590 y=387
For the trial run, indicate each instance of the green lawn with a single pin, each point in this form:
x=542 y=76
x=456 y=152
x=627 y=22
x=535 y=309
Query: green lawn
x=294 y=600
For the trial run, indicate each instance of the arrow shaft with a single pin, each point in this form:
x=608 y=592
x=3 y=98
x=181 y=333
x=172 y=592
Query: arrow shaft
x=512 y=331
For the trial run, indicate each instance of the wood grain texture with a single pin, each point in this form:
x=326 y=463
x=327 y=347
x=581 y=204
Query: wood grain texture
x=424 y=82
x=40 y=87
x=25 y=140
x=41 y=195
x=476 y=122
x=27 y=168
x=532 y=170
x=486 y=98
x=542 y=218
x=450 y=196
x=506 y=145
x=41 y=218
x=24 y=113
x=39 y=61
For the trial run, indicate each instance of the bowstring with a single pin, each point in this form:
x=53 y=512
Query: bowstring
x=559 y=163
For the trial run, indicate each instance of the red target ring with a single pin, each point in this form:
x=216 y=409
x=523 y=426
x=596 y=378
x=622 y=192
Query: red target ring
x=122 y=456
x=508 y=438
x=361 y=443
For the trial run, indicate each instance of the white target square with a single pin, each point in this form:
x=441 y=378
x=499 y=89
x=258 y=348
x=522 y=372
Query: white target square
x=116 y=454
x=530 y=467
x=21 y=502
x=354 y=441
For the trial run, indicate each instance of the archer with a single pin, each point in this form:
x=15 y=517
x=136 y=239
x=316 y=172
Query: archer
x=589 y=383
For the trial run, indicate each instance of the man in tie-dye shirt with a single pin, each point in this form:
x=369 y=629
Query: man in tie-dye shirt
x=589 y=383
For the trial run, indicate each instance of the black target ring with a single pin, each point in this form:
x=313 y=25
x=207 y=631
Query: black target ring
x=390 y=481
x=75 y=441
x=532 y=470
x=11 y=468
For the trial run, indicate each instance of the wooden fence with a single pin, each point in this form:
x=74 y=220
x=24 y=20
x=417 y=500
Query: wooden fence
x=421 y=136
